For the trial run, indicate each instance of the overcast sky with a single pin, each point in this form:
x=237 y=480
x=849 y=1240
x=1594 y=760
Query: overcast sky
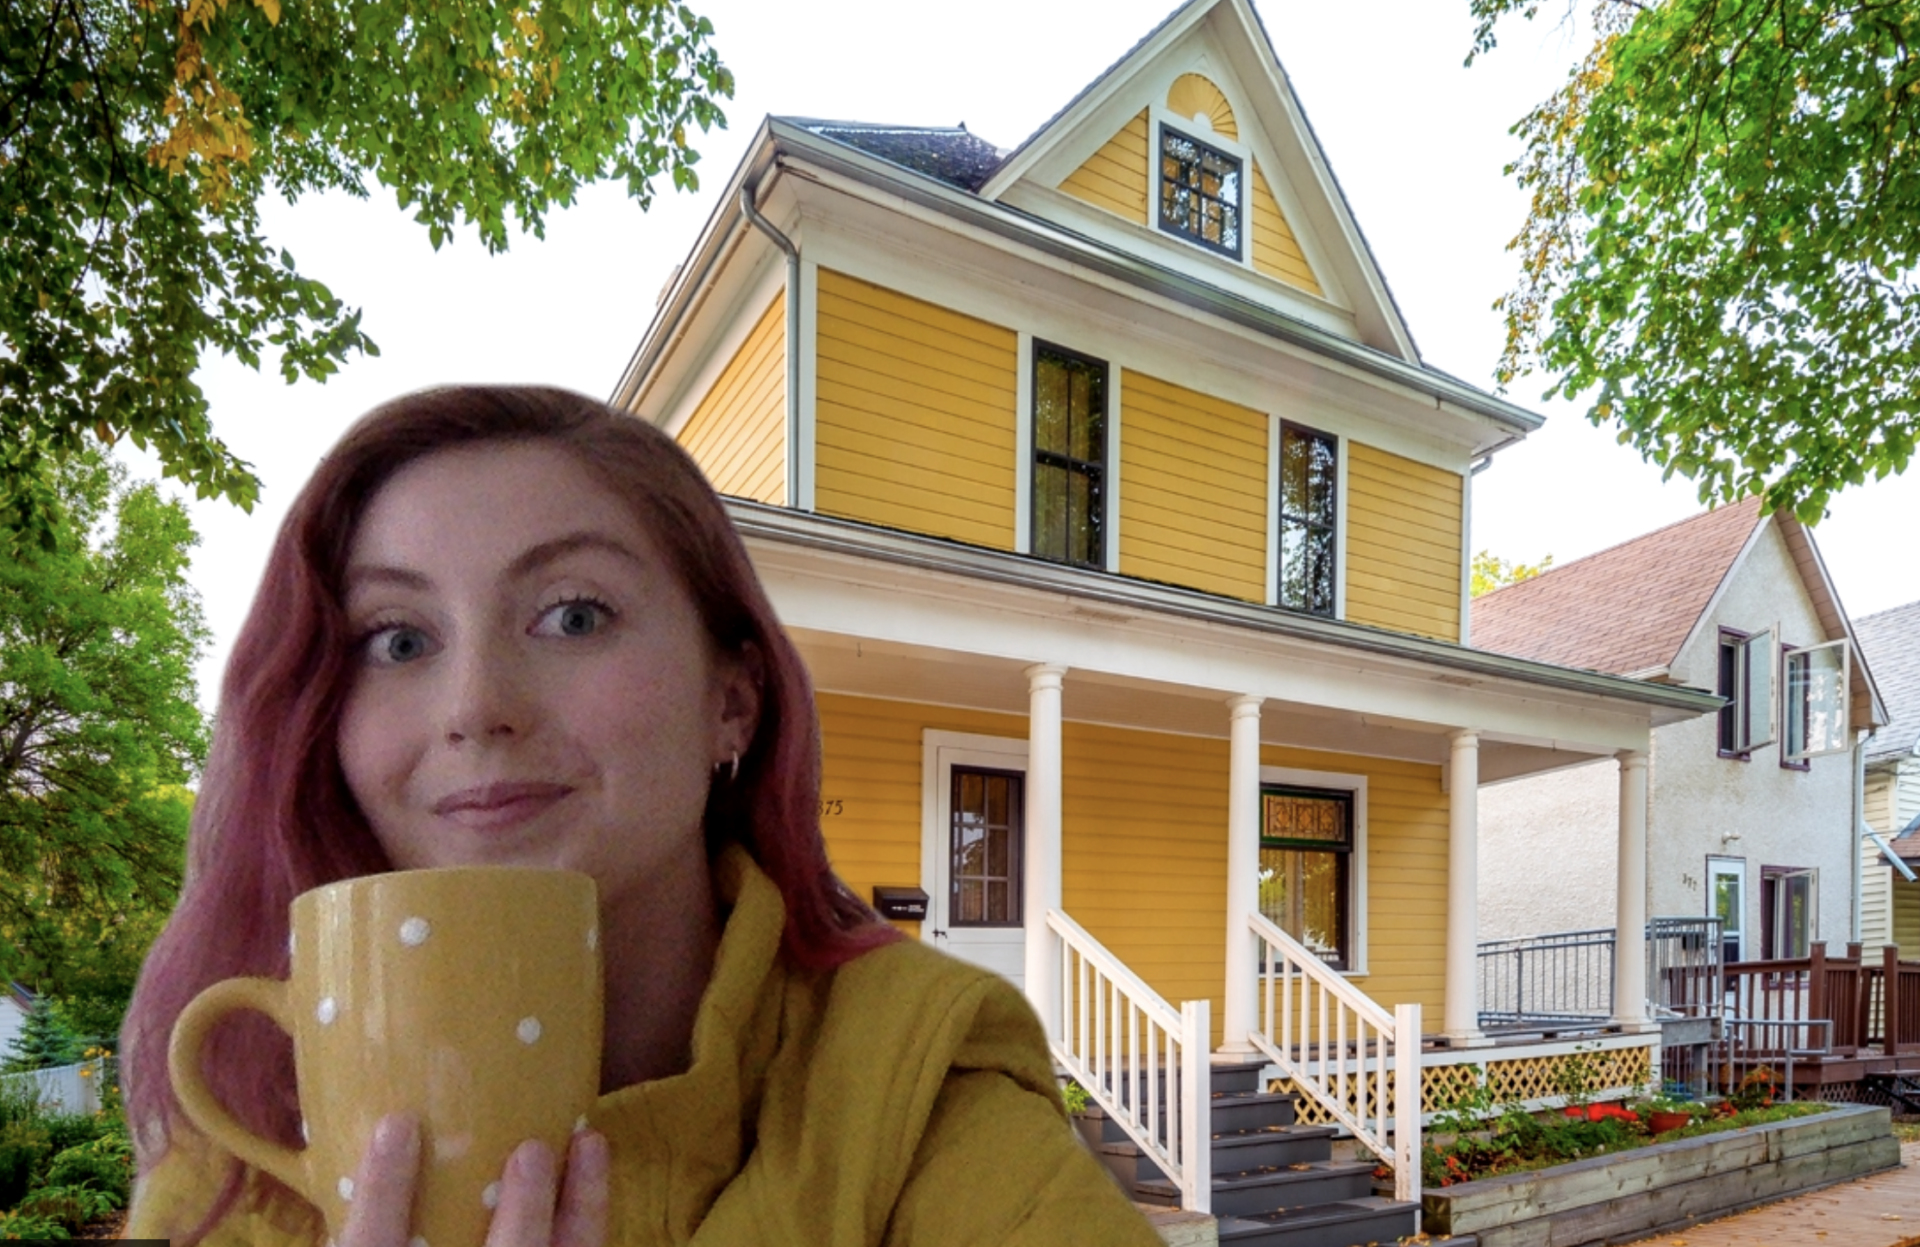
x=1417 y=141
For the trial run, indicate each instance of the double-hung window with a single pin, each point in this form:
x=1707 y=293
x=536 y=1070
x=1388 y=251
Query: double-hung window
x=1200 y=192
x=1309 y=474
x=1306 y=868
x=1069 y=457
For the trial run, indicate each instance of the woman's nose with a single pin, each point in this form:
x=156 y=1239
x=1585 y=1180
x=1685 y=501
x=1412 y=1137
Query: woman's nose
x=484 y=699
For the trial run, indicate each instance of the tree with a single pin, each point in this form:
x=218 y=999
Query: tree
x=1722 y=239
x=45 y=1041
x=1490 y=572
x=99 y=730
x=137 y=138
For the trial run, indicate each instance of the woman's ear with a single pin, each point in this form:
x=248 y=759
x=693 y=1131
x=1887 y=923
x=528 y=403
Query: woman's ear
x=741 y=678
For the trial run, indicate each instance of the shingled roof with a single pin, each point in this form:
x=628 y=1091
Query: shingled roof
x=1891 y=642
x=950 y=154
x=1626 y=610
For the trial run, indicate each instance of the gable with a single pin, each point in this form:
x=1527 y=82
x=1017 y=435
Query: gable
x=1255 y=211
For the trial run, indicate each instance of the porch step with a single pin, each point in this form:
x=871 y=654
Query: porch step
x=1267 y=1189
x=1231 y=1113
x=1271 y=1147
x=1347 y=1223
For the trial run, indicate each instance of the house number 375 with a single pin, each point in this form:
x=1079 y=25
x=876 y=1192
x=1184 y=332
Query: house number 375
x=831 y=809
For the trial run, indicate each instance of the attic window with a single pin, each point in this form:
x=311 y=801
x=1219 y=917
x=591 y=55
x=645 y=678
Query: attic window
x=1200 y=188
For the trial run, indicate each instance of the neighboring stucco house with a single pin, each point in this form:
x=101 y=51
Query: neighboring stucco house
x=1737 y=825
x=1890 y=890
x=14 y=1005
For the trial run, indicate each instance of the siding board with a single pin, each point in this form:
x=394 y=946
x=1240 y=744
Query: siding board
x=738 y=430
x=1115 y=177
x=1193 y=483
x=913 y=414
x=1275 y=250
x=1403 y=542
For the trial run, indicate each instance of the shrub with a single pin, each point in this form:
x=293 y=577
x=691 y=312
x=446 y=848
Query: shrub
x=89 y=1167
x=18 y=1225
x=68 y=1130
x=23 y=1149
x=70 y=1207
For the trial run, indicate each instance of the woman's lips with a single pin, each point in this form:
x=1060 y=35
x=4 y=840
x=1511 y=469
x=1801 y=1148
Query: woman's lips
x=490 y=806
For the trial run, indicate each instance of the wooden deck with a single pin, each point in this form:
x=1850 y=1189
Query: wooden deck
x=1881 y=1211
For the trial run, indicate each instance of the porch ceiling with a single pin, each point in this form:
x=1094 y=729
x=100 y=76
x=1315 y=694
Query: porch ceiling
x=885 y=669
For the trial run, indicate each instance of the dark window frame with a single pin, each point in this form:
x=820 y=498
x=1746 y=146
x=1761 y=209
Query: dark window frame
x=1725 y=666
x=1282 y=519
x=1183 y=229
x=1787 y=699
x=1347 y=856
x=1016 y=848
x=1094 y=470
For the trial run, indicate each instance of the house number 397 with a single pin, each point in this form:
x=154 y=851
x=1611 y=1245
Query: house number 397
x=830 y=809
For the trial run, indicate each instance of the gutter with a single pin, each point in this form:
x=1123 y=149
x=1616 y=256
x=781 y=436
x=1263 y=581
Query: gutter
x=748 y=194
x=803 y=530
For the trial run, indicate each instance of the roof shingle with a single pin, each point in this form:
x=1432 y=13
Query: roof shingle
x=950 y=154
x=1624 y=610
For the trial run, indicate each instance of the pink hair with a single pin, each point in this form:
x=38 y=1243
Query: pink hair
x=274 y=817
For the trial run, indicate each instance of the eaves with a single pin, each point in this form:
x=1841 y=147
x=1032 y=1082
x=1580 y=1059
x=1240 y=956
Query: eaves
x=798 y=529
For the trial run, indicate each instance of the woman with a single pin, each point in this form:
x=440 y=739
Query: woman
x=515 y=626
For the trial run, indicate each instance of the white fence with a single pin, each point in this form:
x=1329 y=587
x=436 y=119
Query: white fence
x=64 y=1088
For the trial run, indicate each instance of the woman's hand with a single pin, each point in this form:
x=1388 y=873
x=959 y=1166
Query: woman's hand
x=535 y=1210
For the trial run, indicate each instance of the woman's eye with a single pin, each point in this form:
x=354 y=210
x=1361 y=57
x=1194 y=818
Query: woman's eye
x=396 y=645
x=577 y=618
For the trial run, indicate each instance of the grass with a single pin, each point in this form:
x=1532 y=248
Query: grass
x=1907 y=1131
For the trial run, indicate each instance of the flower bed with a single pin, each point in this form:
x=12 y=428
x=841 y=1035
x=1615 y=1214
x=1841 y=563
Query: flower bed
x=1692 y=1175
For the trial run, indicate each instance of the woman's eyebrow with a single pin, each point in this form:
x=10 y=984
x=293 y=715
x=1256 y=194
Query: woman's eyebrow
x=535 y=557
x=381 y=574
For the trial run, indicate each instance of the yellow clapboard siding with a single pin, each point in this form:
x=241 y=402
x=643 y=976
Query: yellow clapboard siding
x=1276 y=252
x=1406 y=874
x=738 y=430
x=1192 y=95
x=1115 y=177
x=1193 y=473
x=870 y=764
x=1404 y=534
x=913 y=414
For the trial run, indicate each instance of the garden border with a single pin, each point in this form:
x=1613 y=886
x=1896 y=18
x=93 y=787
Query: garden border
x=1666 y=1186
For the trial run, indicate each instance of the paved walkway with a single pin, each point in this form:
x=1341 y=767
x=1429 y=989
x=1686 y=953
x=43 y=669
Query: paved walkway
x=1881 y=1211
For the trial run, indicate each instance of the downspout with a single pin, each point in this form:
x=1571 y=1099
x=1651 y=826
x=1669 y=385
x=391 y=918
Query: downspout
x=1859 y=810
x=747 y=195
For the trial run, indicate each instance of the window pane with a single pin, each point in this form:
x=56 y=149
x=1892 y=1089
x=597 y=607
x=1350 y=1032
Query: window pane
x=1050 y=511
x=1080 y=511
x=997 y=909
x=1080 y=398
x=1051 y=404
x=973 y=904
x=1199 y=191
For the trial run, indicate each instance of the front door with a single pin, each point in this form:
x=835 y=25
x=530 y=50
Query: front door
x=976 y=900
x=1727 y=901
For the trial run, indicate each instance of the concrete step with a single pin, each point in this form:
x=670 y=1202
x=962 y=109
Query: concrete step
x=1347 y=1223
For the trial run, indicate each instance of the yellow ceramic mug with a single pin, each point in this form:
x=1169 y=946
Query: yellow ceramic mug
x=469 y=997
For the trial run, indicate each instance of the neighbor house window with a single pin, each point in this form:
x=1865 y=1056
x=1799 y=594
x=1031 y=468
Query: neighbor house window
x=1309 y=472
x=1789 y=911
x=1306 y=868
x=1746 y=681
x=1816 y=686
x=1794 y=682
x=1069 y=457
x=1199 y=192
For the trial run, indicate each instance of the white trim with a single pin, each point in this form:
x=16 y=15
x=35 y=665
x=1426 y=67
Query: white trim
x=1113 y=465
x=1023 y=443
x=1466 y=555
x=1720 y=864
x=940 y=752
x=738 y=321
x=803 y=447
x=1272 y=535
x=1160 y=116
x=1340 y=447
x=1357 y=785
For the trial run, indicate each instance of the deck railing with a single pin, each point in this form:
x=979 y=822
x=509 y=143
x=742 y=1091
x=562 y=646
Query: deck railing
x=1802 y=989
x=1359 y=1062
x=1145 y=1063
x=1685 y=973
x=1537 y=980
x=1890 y=1003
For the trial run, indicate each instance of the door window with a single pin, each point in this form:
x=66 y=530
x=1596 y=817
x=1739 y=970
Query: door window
x=1306 y=863
x=984 y=849
x=1727 y=901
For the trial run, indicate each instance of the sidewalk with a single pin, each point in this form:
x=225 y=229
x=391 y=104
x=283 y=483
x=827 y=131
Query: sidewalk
x=1880 y=1211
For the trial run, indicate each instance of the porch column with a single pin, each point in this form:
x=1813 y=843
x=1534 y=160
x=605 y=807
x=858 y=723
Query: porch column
x=1042 y=859
x=1630 y=921
x=1462 y=1017
x=1243 y=870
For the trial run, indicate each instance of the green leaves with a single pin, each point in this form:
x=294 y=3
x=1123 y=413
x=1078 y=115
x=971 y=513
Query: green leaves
x=136 y=141
x=1723 y=240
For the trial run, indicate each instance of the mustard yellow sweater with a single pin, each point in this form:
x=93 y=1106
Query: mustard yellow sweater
x=903 y=1100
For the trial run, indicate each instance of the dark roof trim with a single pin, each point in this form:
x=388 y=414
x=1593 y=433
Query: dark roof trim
x=789 y=527
x=1046 y=236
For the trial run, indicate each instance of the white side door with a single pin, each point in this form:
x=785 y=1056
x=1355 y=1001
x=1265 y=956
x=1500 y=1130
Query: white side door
x=973 y=845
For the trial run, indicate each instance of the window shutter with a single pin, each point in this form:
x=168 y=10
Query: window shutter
x=1757 y=721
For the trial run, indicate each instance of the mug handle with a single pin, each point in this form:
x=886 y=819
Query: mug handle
x=268 y=996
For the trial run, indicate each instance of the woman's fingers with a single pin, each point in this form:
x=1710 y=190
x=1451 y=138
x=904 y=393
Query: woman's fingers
x=582 y=1220
x=381 y=1194
x=528 y=1189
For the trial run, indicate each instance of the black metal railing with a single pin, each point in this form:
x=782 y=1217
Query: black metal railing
x=1566 y=978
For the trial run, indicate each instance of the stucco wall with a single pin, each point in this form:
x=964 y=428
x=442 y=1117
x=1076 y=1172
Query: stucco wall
x=1548 y=844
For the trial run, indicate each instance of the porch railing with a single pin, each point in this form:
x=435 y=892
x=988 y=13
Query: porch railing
x=1890 y=1003
x=1358 y=1062
x=1536 y=980
x=1145 y=1063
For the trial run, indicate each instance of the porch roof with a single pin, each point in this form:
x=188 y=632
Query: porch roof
x=758 y=522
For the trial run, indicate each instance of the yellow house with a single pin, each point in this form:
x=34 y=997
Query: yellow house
x=1125 y=533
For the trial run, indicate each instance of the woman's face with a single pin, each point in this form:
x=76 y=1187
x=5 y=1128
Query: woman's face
x=532 y=684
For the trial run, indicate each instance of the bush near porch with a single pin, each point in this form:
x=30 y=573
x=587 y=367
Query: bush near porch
x=61 y=1172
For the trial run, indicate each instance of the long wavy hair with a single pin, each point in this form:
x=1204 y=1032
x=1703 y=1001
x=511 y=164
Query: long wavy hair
x=274 y=817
